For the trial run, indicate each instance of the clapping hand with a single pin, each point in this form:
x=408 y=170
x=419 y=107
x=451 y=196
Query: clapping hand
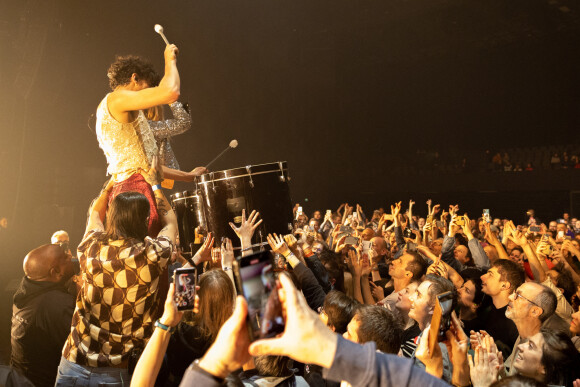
x=204 y=252
x=483 y=372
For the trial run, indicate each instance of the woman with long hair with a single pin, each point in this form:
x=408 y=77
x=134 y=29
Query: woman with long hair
x=197 y=332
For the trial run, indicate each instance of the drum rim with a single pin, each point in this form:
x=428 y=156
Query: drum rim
x=223 y=174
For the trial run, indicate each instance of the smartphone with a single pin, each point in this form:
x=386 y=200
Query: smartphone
x=486 y=215
x=408 y=233
x=534 y=229
x=328 y=212
x=366 y=246
x=439 y=224
x=429 y=219
x=441 y=319
x=560 y=235
x=351 y=240
x=185 y=280
x=544 y=247
x=255 y=279
x=279 y=262
x=355 y=216
x=346 y=229
x=460 y=220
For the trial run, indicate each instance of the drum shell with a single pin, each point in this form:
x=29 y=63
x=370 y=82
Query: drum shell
x=188 y=207
x=265 y=189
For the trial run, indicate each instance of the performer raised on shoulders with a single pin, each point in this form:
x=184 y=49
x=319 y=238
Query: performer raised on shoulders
x=122 y=128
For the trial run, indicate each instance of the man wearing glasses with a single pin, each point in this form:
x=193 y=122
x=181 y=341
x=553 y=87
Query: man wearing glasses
x=529 y=307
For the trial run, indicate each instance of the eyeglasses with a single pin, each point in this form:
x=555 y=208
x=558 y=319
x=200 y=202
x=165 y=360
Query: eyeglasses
x=519 y=294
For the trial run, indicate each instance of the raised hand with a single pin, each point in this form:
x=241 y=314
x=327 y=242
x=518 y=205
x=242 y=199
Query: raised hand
x=227 y=253
x=377 y=291
x=438 y=268
x=436 y=208
x=467 y=227
x=247 y=227
x=453 y=228
x=171 y=315
x=204 y=252
x=278 y=245
x=453 y=209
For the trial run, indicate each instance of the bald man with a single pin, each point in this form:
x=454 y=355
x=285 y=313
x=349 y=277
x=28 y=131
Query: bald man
x=42 y=314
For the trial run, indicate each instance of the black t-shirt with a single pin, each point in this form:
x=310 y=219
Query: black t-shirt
x=502 y=329
x=187 y=344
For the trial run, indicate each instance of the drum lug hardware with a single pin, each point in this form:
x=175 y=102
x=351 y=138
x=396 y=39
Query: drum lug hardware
x=212 y=182
x=282 y=178
x=249 y=170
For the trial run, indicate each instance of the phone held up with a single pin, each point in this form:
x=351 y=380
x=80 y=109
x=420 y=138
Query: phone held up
x=487 y=215
x=256 y=279
x=441 y=320
x=185 y=280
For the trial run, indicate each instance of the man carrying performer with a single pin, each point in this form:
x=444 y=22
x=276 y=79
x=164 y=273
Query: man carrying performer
x=122 y=128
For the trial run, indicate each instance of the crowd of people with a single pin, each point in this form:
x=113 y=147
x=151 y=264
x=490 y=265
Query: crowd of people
x=361 y=299
x=482 y=161
x=359 y=295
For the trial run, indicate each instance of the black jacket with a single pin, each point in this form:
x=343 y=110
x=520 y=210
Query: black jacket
x=41 y=322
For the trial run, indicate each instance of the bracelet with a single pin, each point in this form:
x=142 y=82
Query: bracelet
x=156 y=187
x=159 y=324
x=248 y=248
x=226 y=268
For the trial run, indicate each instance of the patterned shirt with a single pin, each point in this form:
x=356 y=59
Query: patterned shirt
x=113 y=312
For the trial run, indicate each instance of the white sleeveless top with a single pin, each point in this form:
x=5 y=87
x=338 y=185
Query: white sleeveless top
x=129 y=147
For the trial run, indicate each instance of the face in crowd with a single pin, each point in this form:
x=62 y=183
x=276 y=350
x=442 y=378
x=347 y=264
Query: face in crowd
x=466 y=295
x=491 y=283
x=421 y=305
x=522 y=303
x=403 y=303
x=528 y=362
x=398 y=267
x=460 y=253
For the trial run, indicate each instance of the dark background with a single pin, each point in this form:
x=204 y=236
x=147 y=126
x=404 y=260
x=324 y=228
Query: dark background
x=337 y=88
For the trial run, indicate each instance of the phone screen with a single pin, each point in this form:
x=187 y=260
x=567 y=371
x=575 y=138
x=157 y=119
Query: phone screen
x=185 y=280
x=486 y=215
x=351 y=240
x=256 y=280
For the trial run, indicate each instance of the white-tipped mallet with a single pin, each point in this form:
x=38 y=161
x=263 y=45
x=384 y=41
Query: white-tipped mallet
x=233 y=144
x=159 y=30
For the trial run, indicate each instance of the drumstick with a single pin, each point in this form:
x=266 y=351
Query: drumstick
x=159 y=30
x=233 y=144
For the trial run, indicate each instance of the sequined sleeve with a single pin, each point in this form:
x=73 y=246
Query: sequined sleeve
x=169 y=128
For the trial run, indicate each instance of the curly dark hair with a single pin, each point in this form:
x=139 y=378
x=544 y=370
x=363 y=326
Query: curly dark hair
x=123 y=67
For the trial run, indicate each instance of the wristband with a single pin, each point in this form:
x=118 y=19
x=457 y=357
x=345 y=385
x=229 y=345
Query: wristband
x=159 y=324
x=156 y=187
